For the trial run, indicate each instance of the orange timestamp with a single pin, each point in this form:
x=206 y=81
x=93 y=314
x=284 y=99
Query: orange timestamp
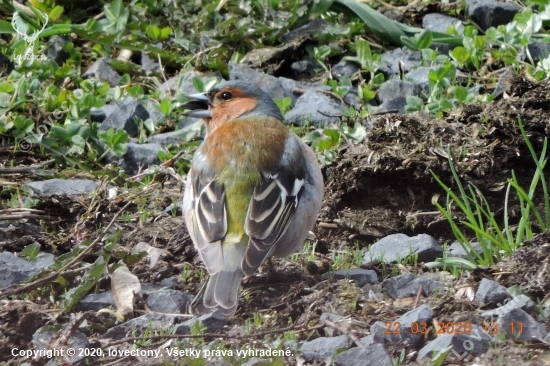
x=452 y=328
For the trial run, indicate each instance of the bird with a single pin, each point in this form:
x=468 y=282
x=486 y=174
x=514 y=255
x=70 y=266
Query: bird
x=253 y=191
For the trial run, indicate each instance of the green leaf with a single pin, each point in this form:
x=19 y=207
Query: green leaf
x=425 y=39
x=56 y=12
x=377 y=23
x=153 y=32
x=31 y=251
x=6 y=28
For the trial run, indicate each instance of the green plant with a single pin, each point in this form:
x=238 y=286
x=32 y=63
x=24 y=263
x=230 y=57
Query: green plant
x=495 y=240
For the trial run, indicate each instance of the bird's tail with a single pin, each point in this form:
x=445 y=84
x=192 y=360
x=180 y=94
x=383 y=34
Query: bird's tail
x=221 y=291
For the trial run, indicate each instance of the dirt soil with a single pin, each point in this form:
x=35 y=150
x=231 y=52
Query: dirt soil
x=379 y=187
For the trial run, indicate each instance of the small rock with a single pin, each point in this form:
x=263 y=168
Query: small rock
x=401 y=330
x=14 y=270
x=315 y=109
x=124 y=116
x=77 y=341
x=491 y=13
x=397 y=247
x=102 y=71
x=517 y=324
x=302 y=68
x=407 y=285
x=359 y=275
x=457 y=250
x=213 y=322
x=490 y=292
x=320 y=349
x=148 y=64
x=519 y=302
x=140 y=156
x=96 y=302
x=169 y=301
x=476 y=343
x=344 y=69
x=154 y=112
x=398 y=104
x=62 y=187
x=395 y=88
x=55 y=49
x=100 y=114
x=358 y=356
x=391 y=60
x=154 y=321
x=440 y=23
x=538 y=51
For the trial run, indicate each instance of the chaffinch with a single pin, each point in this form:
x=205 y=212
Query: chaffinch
x=254 y=190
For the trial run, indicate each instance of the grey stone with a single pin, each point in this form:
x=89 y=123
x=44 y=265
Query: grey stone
x=154 y=321
x=96 y=302
x=518 y=302
x=359 y=275
x=420 y=76
x=476 y=343
x=316 y=109
x=408 y=285
x=77 y=341
x=148 y=64
x=457 y=250
x=155 y=114
x=345 y=68
x=213 y=322
x=538 y=51
x=290 y=86
x=390 y=60
x=176 y=137
x=359 y=356
x=124 y=116
x=394 y=88
x=140 y=155
x=399 y=246
x=524 y=327
x=55 y=51
x=440 y=23
x=302 y=68
x=169 y=301
x=100 y=114
x=490 y=292
x=102 y=71
x=320 y=349
x=62 y=187
x=397 y=104
x=14 y=270
x=491 y=13
x=401 y=331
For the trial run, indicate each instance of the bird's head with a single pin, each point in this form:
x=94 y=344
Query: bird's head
x=230 y=100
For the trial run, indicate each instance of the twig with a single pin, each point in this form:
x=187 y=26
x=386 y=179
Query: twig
x=25 y=169
x=42 y=281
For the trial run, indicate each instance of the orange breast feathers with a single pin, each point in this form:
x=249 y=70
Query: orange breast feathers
x=247 y=143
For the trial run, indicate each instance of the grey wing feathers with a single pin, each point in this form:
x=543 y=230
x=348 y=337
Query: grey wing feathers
x=271 y=209
x=209 y=222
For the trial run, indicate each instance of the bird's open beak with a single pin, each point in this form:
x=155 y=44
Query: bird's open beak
x=199 y=107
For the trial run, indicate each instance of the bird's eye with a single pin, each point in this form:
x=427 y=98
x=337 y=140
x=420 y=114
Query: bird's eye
x=226 y=96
